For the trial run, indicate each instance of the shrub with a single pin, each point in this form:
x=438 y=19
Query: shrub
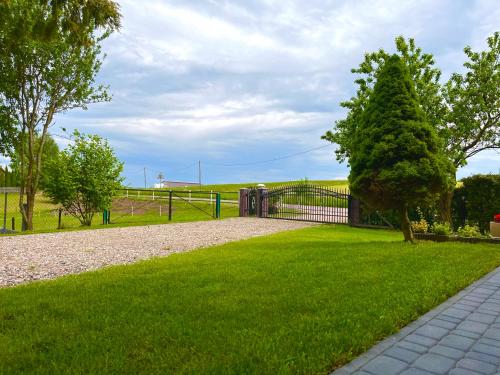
x=481 y=197
x=84 y=177
x=442 y=229
x=469 y=231
x=420 y=226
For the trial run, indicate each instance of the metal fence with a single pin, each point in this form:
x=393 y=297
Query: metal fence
x=46 y=215
x=304 y=202
x=129 y=207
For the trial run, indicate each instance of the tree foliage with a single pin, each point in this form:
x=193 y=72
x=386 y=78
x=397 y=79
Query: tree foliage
x=426 y=82
x=84 y=177
x=50 y=151
x=7 y=178
x=474 y=101
x=477 y=200
x=50 y=54
x=396 y=159
x=464 y=111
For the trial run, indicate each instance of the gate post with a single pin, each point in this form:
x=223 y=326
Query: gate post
x=354 y=211
x=217 y=205
x=243 y=202
x=262 y=203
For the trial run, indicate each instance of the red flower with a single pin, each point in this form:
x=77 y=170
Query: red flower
x=497 y=218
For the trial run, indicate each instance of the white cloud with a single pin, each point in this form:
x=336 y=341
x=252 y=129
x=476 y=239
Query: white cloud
x=235 y=80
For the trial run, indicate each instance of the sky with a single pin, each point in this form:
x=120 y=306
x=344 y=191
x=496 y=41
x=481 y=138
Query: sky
x=243 y=85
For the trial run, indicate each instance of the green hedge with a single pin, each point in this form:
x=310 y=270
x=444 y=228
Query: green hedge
x=477 y=200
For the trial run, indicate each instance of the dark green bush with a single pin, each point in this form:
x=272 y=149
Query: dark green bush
x=477 y=200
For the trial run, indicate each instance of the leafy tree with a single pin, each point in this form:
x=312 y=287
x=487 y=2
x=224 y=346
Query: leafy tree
x=7 y=130
x=474 y=100
x=464 y=112
x=396 y=159
x=426 y=82
x=472 y=122
x=50 y=54
x=7 y=180
x=84 y=177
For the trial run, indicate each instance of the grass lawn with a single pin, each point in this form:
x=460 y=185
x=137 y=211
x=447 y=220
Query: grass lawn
x=298 y=302
x=129 y=212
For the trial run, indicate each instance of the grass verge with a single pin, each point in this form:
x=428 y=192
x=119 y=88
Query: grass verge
x=301 y=302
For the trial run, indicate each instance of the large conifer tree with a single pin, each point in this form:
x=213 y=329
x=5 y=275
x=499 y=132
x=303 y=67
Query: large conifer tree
x=397 y=159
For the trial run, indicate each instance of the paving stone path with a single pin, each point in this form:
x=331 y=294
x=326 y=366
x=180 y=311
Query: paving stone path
x=461 y=336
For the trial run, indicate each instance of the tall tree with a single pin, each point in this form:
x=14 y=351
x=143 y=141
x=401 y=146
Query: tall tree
x=50 y=53
x=472 y=123
x=396 y=157
x=464 y=112
x=426 y=82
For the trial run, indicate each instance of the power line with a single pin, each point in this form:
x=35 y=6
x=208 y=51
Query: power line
x=270 y=160
x=184 y=168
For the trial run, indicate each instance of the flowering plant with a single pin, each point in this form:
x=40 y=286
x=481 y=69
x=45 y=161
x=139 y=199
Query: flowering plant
x=496 y=218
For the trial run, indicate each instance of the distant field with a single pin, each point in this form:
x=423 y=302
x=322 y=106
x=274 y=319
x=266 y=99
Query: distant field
x=230 y=191
x=236 y=187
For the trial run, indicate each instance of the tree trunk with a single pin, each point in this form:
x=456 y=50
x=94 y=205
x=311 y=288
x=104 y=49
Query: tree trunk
x=30 y=200
x=445 y=200
x=406 y=225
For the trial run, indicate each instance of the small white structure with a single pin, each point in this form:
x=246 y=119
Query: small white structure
x=174 y=184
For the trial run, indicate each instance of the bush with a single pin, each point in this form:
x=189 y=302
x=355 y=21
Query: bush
x=420 y=226
x=84 y=177
x=442 y=229
x=478 y=200
x=469 y=231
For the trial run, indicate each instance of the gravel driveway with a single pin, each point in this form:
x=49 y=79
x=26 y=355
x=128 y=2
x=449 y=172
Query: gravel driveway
x=46 y=256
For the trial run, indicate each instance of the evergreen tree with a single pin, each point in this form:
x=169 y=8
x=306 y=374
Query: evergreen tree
x=397 y=159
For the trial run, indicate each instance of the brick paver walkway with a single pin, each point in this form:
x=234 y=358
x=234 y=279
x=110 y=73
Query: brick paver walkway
x=461 y=336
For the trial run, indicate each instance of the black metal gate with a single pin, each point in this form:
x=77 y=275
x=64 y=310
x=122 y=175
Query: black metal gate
x=305 y=202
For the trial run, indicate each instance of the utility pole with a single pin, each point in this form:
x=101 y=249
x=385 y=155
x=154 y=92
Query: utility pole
x=199 y=173
x=145 y=183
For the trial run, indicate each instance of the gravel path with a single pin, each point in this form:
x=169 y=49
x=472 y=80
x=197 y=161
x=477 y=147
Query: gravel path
x=46 y=256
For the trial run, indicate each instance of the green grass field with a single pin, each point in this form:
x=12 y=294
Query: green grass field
x=301 y=302
x=46 y=213
x=124 y=212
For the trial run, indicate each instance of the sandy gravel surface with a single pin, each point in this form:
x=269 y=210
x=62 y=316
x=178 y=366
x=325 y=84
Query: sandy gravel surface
x=46 y=256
